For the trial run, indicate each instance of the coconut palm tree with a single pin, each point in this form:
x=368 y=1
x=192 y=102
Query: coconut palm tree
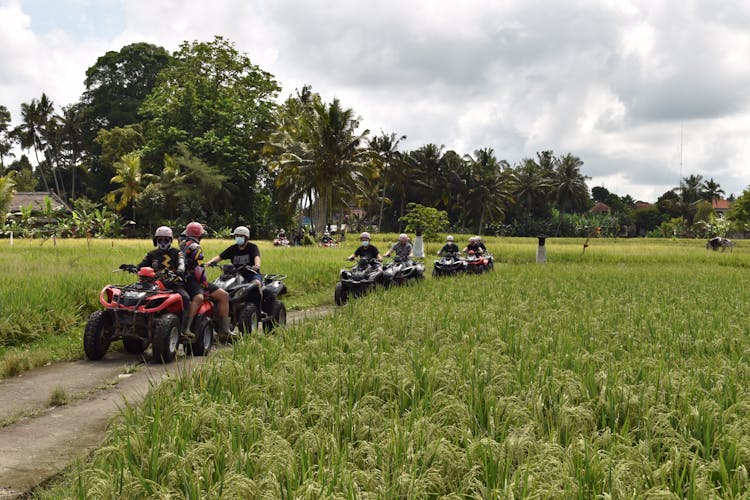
x=531 y=187
x=570 y=190
x=129 y=175
x=31 y=132
x=710 y=190
x=7 y=186
x=384 y=149
x=486 y=188
x=325 y=160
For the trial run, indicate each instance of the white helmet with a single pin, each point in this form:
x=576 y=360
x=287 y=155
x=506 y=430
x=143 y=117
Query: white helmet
x=161 y=233
x=364 y=236
x=241 y=231
x=403 y=237
x=449 y=238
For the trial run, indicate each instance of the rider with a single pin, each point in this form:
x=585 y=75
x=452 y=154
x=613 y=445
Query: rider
x=326 y=238
x=473 y=246
x=196 y=280
x=365 y=250
x=165 y=256
x=449 y=247
x=402 y=249
x=243 y=253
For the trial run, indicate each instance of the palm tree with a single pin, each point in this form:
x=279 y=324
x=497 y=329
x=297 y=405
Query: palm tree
x=324 y=160
x=31 y=132
x=711 y=190
x=386 y=154
x=690 y=188
x=530 y=187
x=570 y=189
x=129 y=174
x=486 y=190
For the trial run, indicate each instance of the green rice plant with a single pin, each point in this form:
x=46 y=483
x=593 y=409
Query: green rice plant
x=620 y=372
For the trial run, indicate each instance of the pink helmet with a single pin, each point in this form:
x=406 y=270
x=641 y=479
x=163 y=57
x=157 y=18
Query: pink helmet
x=195 y=230
x=163 y=232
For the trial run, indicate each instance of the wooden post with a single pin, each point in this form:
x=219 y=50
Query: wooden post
x=541 y=250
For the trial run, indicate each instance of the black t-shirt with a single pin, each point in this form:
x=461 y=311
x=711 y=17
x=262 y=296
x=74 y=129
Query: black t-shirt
x=449 y=248
x=159 y=259
x=241 y=256
x=370 y=252
x=475 y=247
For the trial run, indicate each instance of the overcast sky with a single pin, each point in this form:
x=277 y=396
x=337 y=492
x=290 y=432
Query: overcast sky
x=643 y=92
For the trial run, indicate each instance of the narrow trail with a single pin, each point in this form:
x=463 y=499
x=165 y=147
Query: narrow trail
x=42 y=440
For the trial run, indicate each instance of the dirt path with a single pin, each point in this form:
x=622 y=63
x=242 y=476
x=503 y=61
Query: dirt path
x=43 y=440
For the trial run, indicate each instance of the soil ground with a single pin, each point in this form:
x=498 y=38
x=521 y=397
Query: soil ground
x=41 y=439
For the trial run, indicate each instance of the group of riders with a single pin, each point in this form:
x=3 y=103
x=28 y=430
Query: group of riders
x=190 y=281
x=405 y=250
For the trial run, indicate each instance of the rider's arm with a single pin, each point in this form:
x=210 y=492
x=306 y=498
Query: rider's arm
x=180 y=262
x=213 y=261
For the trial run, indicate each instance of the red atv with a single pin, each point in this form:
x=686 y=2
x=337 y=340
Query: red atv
x=478 y=263
x=144 y=313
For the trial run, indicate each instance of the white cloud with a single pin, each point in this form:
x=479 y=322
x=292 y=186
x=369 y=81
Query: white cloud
x=610 y=81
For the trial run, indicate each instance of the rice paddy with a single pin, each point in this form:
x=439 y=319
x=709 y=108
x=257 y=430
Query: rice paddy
x=618 y=372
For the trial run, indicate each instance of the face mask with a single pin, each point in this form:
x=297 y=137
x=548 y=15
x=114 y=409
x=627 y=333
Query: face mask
x=163 y=244
x=365 y=243
x=240 y=240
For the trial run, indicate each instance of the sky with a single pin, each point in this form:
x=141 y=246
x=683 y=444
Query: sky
x=644 y=92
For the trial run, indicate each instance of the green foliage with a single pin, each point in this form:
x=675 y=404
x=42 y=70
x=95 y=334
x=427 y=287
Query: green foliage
x=428 y=220
x=7 y=185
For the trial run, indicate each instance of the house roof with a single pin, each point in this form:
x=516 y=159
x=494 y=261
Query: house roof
x=599 y=208
x=643 y=204
x=721 y=204
x=36 y=200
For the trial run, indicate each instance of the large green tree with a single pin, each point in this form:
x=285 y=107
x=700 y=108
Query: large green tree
x=6 y=137
x=216 y=102
x=32 y=132
x=326 y=160
x=571 y=193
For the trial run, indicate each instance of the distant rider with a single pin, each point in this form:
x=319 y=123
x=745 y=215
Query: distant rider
x=402 y=249
x=243 y=253
x=450 y=247
x=196 y=279
x=165 y=256
x=326 y=239
x=474 y=246
x=365 y=250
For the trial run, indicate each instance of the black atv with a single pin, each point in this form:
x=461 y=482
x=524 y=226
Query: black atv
x=401 y=271
x=449 y=264
x=358 y=280
x=247 y=311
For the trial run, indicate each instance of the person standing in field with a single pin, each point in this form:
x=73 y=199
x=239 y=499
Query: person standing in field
x=243 y=253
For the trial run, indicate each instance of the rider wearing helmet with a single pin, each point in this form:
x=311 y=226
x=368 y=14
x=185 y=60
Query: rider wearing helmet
x=165 y=256
x=474 y=246
x=196 y=280
x=243 y=253
x=402 y=249
x=326 y=238
x=449 y=247
x=365 y=250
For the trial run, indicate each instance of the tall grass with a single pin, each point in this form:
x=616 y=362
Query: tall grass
x=609 y=373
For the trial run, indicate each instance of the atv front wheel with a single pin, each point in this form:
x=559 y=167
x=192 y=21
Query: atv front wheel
x=166 y=338
x=204 y=338
x=340 y=296
x=278 y=317
x=247 y=321
x=96 y=336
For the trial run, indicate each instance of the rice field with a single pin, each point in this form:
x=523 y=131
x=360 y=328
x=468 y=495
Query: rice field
x=621 y=372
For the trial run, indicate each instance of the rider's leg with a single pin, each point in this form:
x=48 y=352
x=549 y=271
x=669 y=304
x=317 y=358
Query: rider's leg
x=195 y=291
x=221 y=299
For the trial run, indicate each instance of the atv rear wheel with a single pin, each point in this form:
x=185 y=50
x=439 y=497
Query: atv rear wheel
x=340 y=296
x=134 y=345
x=96 y=335
x=166 y=338
x=204 y=337
x=247 y=320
